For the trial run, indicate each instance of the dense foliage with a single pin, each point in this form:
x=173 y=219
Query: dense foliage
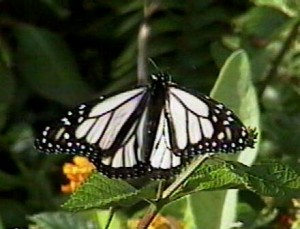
x=57 y=53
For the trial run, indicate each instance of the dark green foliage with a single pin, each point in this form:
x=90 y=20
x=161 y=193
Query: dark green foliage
x=46 y=64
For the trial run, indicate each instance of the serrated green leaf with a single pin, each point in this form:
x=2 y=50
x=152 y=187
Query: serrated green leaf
x=61 y=220
x=268 y=179
x=102 y=192
x=214 y=177
x=271 y=179
x=46 y=64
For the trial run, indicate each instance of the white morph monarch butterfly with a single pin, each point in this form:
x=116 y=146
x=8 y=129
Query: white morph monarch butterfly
x=151 y=130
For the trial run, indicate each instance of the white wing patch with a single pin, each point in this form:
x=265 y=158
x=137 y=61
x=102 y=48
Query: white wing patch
x=189 y=117
x=60 y=133
x=127 y=155
x=162 y=156
x=114 y=101
x=180 y=115
x=96 y=131
x=207 y=127
x=102 y=126
x=130 y=157
x=194 y=129
x=191 y=102
x=118 y=159
x=83 y=129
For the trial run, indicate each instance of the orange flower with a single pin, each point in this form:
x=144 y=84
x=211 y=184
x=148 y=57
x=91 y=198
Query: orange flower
x=77 y=172
x=160 y=222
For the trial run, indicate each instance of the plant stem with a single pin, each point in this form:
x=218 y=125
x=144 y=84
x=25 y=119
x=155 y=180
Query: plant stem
x=150 y=7
x=110 y=217
x=143 y=39
x=149 y=217
x=156 y=207
x=142 y=65
x=278 y=59
x=160 y=189
x=184 y=176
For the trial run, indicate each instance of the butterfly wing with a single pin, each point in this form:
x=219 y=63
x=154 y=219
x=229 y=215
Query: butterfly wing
x=201 y=125
x=105 y=131
x=116 y=133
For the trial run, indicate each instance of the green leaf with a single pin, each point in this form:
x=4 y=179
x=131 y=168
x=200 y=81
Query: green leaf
x=101 y=218
x=235 y=81
x=267 y=179
x=7 y=89
x=264 y=22
x=102 y=192
x=235 y=89
x=46 y=64
x=271 y=179
x=214 y=177
x=61 y=220
x=291 y=7
x=176 y=208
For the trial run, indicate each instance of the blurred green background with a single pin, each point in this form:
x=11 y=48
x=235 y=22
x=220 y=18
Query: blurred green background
x=57 y=53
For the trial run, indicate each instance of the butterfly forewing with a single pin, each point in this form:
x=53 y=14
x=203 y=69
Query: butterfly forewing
x=203 y=125
x=93 y=129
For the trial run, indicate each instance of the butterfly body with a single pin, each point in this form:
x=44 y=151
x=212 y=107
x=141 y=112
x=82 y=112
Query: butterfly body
x=152 y=130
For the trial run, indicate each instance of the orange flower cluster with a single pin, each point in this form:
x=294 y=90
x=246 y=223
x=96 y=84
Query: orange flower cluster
x=77 y=172
x=160 y=222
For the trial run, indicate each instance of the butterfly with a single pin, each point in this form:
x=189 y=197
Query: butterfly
x=149 y=131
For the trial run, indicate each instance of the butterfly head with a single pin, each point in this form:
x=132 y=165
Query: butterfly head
x=161 y=77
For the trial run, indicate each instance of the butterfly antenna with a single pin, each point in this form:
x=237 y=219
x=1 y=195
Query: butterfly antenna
x=154 y=64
